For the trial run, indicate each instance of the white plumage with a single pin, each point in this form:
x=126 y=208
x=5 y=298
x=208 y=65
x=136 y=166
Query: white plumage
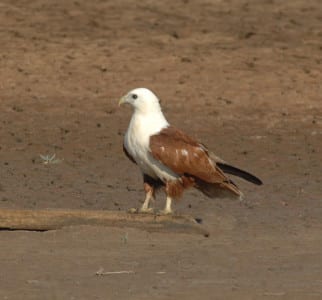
x=146 y=121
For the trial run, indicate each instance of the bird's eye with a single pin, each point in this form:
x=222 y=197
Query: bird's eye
x=134 y=96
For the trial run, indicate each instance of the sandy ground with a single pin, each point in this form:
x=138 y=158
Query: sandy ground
x=242 y=76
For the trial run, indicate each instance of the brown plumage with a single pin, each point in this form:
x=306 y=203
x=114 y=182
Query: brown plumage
x=191 y=160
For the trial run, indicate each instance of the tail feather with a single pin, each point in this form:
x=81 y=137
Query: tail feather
x=240 y=173
x=219 y=190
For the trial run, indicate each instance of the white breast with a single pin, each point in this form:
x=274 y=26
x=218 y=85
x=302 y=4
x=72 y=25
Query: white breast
x=136 y=142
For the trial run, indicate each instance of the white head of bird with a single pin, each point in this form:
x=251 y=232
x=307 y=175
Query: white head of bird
x=142 y=100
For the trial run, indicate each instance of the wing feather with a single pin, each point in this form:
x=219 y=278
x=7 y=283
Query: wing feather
x=129 y=156
x=184 y=155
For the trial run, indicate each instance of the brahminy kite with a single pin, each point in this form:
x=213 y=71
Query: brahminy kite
x=170 y=158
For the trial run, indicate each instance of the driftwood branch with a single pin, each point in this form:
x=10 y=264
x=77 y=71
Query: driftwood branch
x=50 y=219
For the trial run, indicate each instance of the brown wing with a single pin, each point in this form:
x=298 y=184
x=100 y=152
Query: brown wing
x=128 y=155
x=185 y=156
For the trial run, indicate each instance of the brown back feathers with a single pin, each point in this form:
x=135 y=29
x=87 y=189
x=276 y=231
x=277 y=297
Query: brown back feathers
x=189 y=159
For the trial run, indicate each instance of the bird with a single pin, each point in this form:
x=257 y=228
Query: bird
x=171 y=159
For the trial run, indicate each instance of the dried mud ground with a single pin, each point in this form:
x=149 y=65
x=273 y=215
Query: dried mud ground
x=242 y=76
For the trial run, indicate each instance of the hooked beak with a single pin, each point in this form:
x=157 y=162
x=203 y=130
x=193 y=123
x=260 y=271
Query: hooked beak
x=122 y=100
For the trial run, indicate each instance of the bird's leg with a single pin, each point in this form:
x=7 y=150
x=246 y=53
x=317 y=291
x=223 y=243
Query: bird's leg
x=167 y=209
x=169 y=189
x=149 y=190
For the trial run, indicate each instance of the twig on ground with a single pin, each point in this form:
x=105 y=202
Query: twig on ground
x=101 y=272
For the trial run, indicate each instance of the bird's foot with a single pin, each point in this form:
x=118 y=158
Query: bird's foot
x=148 y=210
x=133 y=210
x=141 y=210
x=164 y=212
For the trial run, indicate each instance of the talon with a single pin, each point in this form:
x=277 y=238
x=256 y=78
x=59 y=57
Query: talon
x=133 y=210
x=148 y=210
x=164 y=212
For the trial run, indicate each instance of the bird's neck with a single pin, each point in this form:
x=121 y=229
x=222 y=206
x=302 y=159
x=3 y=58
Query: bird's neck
x=148 y=123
